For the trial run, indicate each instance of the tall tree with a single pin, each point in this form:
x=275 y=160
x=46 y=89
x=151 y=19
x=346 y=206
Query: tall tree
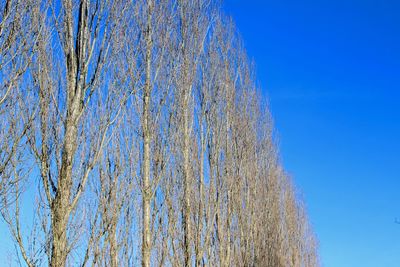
x=68 y=73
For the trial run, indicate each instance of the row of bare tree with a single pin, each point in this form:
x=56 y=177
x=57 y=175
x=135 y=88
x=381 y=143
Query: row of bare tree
x=133 y=133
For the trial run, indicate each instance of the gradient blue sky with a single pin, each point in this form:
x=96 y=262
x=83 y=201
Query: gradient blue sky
x=331 y=70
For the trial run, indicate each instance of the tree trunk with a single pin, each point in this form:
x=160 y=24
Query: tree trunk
x=113 y=244
x=186 y=181
x=146 y=235
x=60 y=206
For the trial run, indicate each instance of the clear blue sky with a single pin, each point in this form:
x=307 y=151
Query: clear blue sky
x=331 y=70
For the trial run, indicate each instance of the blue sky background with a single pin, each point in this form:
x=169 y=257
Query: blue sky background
x=331 y=71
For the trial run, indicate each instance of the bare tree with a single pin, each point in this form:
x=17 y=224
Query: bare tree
x=151 y=140
x=65 y=145
x=194 y=23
